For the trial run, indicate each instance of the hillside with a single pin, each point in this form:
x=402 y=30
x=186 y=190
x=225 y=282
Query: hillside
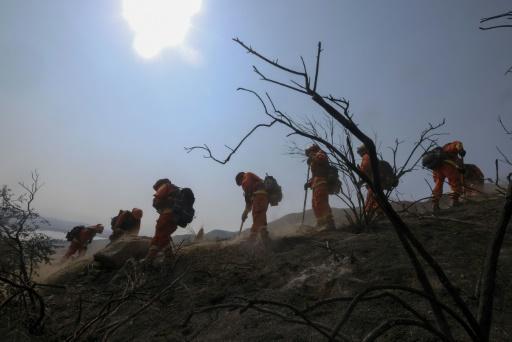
x=218 y=280
x=59 y=225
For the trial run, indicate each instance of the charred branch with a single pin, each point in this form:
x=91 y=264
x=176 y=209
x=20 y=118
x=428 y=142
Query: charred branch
x=338 y=111
x=209 y=154
x=404 y=234
x=506 y=15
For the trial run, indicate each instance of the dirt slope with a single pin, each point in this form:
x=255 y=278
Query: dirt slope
x=297 y=270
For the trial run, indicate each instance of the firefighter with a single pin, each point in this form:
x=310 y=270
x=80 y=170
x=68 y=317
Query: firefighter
x=319 y=164
x=371 y=204
x=256 y=201
x=126 y=223
x=163 y=201
x=80 y=237
x=450 y=168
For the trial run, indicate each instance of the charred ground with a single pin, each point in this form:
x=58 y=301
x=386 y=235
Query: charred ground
x=235 y=291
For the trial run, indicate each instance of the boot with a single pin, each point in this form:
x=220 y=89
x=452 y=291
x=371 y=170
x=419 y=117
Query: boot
x=148 y=261
x=319 y=223
x=265 y=239
x=330 y=225
x=253 y=236
x=169 y=255
x=326 y=224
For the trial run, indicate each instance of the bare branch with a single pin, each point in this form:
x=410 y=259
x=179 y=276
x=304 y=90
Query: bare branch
x=274 y=63
x=504 y=156
x=494 y=27
x=502 y=15
x=507 y=131
x=317 y=67
x=264 y=78
x=394 y=322
x=233 y=151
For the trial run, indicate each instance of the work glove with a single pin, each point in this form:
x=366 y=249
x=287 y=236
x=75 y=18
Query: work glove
x=462 y=153
x=244 y=215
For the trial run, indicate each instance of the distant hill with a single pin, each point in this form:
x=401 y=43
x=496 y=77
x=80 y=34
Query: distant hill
x=57 y=228
x=219 y=234
x=59 y=225
x=213 y=235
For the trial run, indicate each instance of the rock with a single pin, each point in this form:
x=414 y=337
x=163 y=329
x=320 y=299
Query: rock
x=116 y=254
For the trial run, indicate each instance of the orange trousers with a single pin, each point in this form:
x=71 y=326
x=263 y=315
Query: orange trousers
x=454 y=180
x=165 y=226
x=74 y=247
x=259 y=213
x=320 y=201
x=370 y=204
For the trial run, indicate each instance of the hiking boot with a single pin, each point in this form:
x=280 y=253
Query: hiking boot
x=264 y=234
x=169 y=256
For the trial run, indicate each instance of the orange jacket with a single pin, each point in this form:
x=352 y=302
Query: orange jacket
x=86 y=235
x=452 y=151
x=250 y=184
x=319 y=164
x=366 y=166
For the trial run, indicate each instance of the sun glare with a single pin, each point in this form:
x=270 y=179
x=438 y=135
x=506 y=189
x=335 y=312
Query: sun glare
x=159 y=24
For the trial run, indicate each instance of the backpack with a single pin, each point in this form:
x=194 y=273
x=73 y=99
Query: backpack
x=113 y=220
x=182 y=207
x=333 y=181
x=73 y=233
x=388 y=179
x=129 y=222
x=273 y=189
x=433 y=158
x=473 y=175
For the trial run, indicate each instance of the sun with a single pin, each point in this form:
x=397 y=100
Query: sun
x=159 y=24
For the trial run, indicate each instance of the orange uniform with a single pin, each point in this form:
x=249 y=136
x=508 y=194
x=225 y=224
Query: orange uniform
x=79 y=243
x=450 y=168
x=256 y=199
x=319 y=163
x=366 y=167
x=165 y=224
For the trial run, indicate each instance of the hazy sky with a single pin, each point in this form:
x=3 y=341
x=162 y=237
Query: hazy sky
x=101 y=124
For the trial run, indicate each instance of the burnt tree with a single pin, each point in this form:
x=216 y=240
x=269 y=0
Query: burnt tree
x=447 y=316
